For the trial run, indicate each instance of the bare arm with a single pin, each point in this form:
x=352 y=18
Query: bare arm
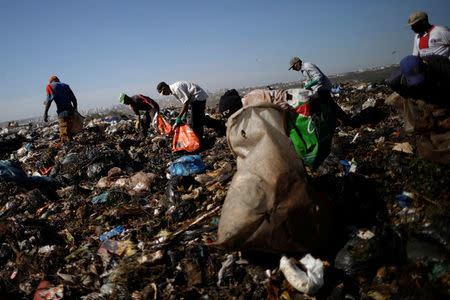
x=47 y=106
x=184 y=108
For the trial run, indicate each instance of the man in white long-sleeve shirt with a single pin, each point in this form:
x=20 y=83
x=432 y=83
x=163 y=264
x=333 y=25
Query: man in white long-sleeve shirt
x=315 y=79
x=318 y=83
x=429 y=39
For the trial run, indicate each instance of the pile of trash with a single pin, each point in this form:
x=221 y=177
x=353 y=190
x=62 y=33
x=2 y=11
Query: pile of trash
x=111 y=216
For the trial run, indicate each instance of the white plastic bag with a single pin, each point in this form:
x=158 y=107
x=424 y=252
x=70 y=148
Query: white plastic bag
x=309 y=282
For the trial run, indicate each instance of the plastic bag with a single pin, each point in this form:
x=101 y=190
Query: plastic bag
x=184 y=138
x=311 y=131
x=12 y=171
x=161 y=124
x=187 y=165
x=309 y=282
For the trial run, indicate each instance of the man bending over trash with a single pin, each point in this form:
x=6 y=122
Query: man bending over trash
x=141 y=104
x=319 y=84
x=190 y=94
x=66 y=105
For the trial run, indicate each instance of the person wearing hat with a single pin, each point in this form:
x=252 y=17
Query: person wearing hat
x=426 y=78
x=429 y=39
x=424 y=86
x=315 y=79
x=190 y=94
x=66 y=105
x=141 y=104
x=321 y=86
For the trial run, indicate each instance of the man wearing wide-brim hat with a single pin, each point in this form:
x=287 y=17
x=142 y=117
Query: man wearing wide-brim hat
x=319 y=84
x=429 y=39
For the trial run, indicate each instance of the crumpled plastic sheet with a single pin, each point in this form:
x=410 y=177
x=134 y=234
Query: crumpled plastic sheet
x=309 y=282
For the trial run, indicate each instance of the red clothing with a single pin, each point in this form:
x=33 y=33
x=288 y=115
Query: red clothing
x=143 y=103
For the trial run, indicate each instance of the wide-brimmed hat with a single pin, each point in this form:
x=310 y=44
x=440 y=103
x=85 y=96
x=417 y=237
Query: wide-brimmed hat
x=293 y=61
x=415 y=17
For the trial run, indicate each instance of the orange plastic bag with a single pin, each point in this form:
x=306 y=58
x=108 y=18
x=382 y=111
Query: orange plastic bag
x=163 y=126
x=184 y=138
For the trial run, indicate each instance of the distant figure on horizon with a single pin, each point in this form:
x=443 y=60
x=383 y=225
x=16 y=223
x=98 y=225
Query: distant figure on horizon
x=319 y=83
x=140 y=103
x=66 y=106
x=429 y=39
x=190 y=94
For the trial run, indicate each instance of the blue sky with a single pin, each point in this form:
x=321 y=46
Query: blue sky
x=101 y=48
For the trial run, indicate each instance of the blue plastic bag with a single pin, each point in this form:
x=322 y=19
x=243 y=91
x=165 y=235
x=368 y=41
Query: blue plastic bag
x=113 y=232
x=103 y=198
x=187 y=165
x=12 y=171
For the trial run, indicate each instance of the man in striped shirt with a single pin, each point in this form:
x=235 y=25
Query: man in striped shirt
x=141 y=104
x=66 y=105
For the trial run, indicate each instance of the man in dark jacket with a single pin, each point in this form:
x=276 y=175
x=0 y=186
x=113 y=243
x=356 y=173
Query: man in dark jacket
x=144 y=104
x=66 y=105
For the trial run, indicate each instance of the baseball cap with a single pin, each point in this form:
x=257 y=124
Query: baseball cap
x=412 y=68
x=122 y=98
x=416 y=17
x=53 y=78
x=229 y=103
x=293 y=61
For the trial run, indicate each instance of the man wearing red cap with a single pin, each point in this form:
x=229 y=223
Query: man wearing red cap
x=429 y=39
x=66 y=105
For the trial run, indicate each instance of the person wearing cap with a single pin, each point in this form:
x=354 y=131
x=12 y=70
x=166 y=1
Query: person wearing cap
x=315 y=79
x=426 y=78
x=424 y=86
x=141 y=104
x=429 y=39
x=319 y=84
x=66 y=105
x=190 y=94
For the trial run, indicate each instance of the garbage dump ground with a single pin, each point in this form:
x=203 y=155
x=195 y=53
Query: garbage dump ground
x=100 y=218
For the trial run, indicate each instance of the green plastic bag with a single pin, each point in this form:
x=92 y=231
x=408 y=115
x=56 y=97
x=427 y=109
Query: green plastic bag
x=311 y=128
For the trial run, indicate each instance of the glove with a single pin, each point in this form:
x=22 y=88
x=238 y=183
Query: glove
x=137 y=124
x=310 y=84
x=183 y=118
x=177 y=121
